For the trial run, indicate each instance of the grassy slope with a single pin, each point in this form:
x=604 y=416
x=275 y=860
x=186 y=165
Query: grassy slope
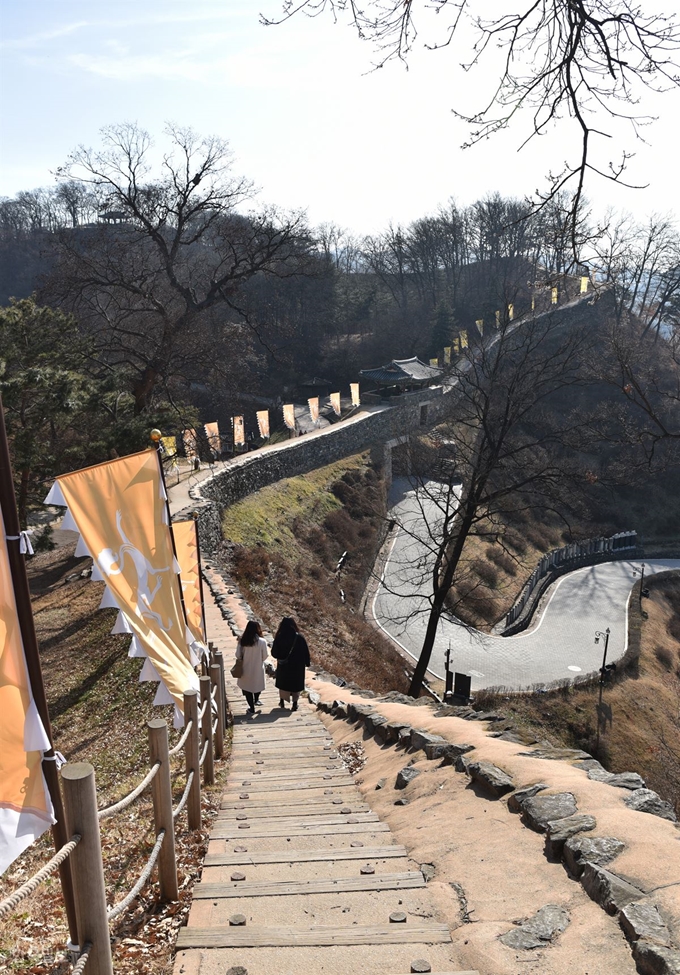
x=287 y=541
x=98 y=711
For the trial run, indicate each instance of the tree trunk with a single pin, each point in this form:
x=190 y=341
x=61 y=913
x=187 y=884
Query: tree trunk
x=22 y=501
x=143 y=388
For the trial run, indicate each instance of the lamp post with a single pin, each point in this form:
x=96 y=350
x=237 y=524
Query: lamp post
x=641 y=571
x=605 y=635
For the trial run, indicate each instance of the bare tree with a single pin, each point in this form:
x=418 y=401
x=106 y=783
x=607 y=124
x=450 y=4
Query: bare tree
x=584 y=60
x=163 y=277
x=512 y=418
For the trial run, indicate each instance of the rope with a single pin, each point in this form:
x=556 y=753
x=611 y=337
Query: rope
x=204 y=752
x=180 y=744
x=79 y=967
x=185 y=795
x=213 y=693
x=214 y=727
x=130 y=798
x=115 y=911
x=14 y=899
x=202 y=711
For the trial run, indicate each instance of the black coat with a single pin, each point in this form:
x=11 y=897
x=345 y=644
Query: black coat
x=292 y=656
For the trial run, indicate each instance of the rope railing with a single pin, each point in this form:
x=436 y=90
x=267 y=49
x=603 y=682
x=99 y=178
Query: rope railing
x=204 y=753
x=130 y=798
x=79 y=966
x=213 y=692
x=185 y=795
x=180 y=744
x=214 y=726
x=9 y=903
x=202 y=710
x=117 y=909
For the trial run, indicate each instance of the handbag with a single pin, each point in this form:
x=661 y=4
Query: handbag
x=237 y=669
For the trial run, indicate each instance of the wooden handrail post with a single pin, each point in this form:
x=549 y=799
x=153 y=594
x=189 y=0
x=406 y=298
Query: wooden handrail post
x=219 y=660
x=192 y=756
x=80 y=802
x=162 y=809
x=209 y=763
x=215 y=676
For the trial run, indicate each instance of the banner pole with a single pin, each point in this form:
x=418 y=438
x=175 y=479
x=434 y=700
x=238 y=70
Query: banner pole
x=157 y=448
x=29 y=639
x=200 y=576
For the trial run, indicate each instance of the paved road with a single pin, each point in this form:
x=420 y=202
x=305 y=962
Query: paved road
x=562 y=645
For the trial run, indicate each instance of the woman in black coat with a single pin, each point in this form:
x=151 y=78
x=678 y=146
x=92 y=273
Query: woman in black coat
x=292 y=656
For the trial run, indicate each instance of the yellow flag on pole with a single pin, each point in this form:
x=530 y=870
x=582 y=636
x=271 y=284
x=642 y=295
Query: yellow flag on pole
x=335 y=402
x=511 y=312
x=480 y=325
x=553 y=296
x=447 y=355
x=186 y=546
x=25 y=804
x=119 y=508
x=263 y=423
x=169 y=446
x=434 y=363
x=189 y=441
x=456 y=346
x=313 y=404
x=239 y=430
x=289 y=415
x=463 y=339
x=354 y=390
x=498 y=319
x=212 y=432
x=584 y=284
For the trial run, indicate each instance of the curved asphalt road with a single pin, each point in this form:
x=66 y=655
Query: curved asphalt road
x=561 y=646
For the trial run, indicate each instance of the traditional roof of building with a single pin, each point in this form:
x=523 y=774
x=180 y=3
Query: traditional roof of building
x=401 y=371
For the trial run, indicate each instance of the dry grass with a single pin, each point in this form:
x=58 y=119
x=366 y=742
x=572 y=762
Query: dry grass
x=98 y=712
x=311 y=521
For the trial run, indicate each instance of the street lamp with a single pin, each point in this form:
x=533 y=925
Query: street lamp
x=641 y=572
x=603 y=671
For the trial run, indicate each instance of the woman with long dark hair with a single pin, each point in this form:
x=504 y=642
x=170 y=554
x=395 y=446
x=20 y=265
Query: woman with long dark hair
x=292 y=656
x=252 y=650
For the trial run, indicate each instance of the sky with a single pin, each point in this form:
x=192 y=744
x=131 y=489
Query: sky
x=307 y=119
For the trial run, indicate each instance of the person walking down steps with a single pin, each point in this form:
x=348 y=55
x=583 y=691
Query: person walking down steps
x=252 y=651
x=292 y=657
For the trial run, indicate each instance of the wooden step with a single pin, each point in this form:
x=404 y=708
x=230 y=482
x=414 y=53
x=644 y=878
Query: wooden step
x=325 y=797
x=284 y=888
x=294 y=812
x=317 y=829
x=305 y=856
x=314 y=936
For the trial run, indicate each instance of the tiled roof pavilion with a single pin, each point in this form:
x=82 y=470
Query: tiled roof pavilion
x=402 y=372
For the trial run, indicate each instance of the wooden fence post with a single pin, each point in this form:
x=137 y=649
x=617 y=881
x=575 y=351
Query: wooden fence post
x=162 y=809
x=209 y=763
x=192 y=755
x=80 y=802
x=219 y=660
x=215 y=676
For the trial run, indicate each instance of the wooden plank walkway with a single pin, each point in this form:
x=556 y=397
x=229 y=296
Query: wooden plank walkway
x=300 y=874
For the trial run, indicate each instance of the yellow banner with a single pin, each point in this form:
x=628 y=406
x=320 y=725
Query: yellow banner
x=533 y=303
x=212 y=432
x=120 y=510
x=263 y=423
x=456 y=346
x=553 y=296
x=511 y=312
x=169 y=446
x=239 y=430
x=584 y=284
x=189 y=441
x=480 y=325
x=447 y=355
x=335 y=402
x=463 y=339
x=434 y=363
x=498 y=319
x=289 y=415
x=25 y=806
x=186 y=546
x=313 y=404
x=354 y=391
